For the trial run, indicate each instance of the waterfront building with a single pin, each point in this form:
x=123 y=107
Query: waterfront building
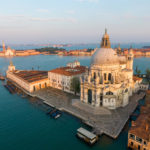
x=29 y=80
x=61 y=78
x=109 y=80
x=8 y=52
x=139 y=133
x=4 y=48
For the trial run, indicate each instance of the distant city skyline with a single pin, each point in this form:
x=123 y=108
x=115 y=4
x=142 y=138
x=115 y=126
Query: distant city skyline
x=74 y=21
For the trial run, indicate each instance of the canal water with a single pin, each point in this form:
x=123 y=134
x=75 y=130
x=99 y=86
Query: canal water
x=24 y=124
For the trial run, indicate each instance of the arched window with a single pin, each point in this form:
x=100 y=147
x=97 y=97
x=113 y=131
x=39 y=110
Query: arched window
x=34 y=89
x=109 y=93
x=101 y=80
x=109 y=77
x=94 y=75
x=104 y=76
x=40 y=86
x=45 y=84
x=126 y=90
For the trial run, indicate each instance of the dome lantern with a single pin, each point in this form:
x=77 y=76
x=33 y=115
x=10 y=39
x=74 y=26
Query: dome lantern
x=105 y=41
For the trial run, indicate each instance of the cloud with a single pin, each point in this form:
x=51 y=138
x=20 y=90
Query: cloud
x=42 y=10
x=72 y=20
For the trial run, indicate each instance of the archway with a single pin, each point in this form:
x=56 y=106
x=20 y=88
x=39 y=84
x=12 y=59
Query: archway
x=101 y=99
x=109 y=76
x=89 y=96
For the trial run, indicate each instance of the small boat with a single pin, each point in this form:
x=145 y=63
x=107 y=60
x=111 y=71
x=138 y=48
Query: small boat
x=87 y=136
x=54 y=113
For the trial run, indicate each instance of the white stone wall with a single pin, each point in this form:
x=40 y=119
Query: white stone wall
x=26 y=85
x=144 y=86
x=59 y=81
x=109 y=103
x=19 y=81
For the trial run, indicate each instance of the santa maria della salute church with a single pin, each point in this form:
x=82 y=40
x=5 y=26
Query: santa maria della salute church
x=109 y=81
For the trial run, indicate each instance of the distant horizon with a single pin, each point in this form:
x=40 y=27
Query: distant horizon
x=38 y=44
x=74 y=21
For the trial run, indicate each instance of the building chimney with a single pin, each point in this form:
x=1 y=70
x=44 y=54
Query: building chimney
x=147 y=127
x=133 y=123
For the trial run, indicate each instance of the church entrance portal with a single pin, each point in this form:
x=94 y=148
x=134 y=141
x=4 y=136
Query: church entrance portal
x=101 y=99
x=90 y=96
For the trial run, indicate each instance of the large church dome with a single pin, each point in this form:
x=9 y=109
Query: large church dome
x=105 y=55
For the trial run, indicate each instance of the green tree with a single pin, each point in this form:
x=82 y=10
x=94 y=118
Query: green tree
x=148 y=73
x=75 y=85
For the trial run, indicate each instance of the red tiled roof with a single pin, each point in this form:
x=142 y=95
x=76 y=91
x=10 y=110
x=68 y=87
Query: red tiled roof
x=31 y=76
x=135 y=78
x=68 y=71
x=140 y=126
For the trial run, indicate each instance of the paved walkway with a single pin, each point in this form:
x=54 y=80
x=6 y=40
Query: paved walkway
x=109 y=122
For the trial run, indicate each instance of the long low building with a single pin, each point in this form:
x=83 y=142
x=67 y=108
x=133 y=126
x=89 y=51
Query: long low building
x=60 y=78
x=29 y=80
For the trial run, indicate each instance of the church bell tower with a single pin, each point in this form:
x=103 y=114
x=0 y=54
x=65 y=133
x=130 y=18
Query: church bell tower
x=130 y=58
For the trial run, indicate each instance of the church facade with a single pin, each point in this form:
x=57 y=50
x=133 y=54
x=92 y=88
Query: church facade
x=109 y=80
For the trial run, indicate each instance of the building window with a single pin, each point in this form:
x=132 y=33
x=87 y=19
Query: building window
x=104 y=76
x=40 y=86
x=131 y=143
x=109 y=76
x=132 y=136
x=145 y=143
x=138 y=139
x=139 y=147
x=126 y=90
x=94 y=75
x=109 y=93
x=34 y=89
x=45 y=84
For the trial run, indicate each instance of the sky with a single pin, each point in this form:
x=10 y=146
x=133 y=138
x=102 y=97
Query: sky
x=74 y=21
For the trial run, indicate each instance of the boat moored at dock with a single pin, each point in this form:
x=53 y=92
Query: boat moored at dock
x=54 y=113
x=87 y=136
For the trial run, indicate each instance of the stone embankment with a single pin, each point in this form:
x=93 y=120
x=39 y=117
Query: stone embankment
x=102 y=120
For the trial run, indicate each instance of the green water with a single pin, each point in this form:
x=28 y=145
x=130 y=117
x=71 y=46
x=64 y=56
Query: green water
x=25 y=126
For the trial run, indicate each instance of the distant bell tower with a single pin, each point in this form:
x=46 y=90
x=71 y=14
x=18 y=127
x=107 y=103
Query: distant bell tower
x=130 y=58
x=119 y=51
x=11 y=67
x=4 y=48
x=105 y=41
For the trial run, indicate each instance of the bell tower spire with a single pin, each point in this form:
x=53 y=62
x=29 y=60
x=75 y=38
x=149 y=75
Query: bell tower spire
x=4 y=48
x=105 y=41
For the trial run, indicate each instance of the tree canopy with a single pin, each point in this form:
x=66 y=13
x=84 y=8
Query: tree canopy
x=75 y=85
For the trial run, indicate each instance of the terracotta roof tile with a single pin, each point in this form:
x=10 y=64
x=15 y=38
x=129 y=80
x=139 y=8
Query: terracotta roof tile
x=68 y=71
